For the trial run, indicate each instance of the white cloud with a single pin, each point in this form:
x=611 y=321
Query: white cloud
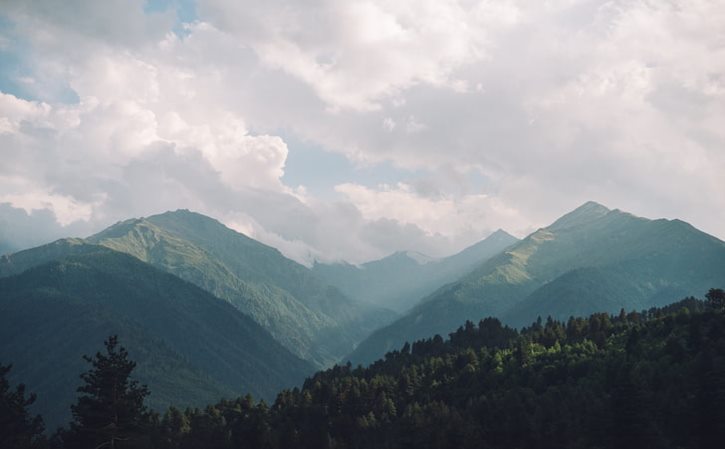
x=355 y=54
x=20 y=229
x=448 y=216
x=66 y=209
x=546 y=105
x=389 y=124
x=84 y=23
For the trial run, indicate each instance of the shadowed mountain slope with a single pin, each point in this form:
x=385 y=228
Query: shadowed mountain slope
x=312 y=319
x=192 y=347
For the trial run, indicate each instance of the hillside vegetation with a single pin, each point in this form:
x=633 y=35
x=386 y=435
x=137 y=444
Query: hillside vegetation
x=192 y=347
x=310 y=318
x=590 y=260
x=654 y=379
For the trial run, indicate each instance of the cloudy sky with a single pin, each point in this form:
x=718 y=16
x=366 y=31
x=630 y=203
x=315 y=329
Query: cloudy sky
x=351 y=129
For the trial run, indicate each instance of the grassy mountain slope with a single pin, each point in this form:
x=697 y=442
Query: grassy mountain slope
x=400 y=280
x=192 y=346
x=313 y=320
x=625 y=261
x=18 y=262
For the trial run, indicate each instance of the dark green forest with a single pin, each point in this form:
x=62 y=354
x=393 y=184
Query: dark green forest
x=639 y=379
x=191 y=347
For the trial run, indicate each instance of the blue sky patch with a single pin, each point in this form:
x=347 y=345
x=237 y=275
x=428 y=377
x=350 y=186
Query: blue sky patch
x=18 y=75
x=185 y=12
x=320 y=171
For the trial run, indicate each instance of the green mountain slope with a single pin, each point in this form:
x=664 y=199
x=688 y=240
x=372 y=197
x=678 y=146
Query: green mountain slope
x=592 y=259
x=16 y=263
x=191 y=346
x=313 y=320
x=634 y=380
x=400 y=280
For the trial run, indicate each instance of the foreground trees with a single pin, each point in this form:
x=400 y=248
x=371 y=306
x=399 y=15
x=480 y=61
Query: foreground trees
x=110 y=411
x=18 y=428
x=716 y=298
x=648 y=380
x=654 y=379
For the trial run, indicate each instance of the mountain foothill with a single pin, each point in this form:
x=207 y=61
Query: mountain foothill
x=210 y=313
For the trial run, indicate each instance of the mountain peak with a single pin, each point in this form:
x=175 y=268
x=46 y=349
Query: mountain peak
x=183 y=214
x=500 y=234
x=590 y=207
x=419 y=258
x=586 y=213
x=409 y=256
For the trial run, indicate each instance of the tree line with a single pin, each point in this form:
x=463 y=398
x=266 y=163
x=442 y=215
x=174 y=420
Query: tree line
x=635 y=379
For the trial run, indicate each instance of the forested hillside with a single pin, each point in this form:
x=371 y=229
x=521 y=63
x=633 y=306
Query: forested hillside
x=310 y=318
x=652 y=379
x=590 y=260
x=192 y=347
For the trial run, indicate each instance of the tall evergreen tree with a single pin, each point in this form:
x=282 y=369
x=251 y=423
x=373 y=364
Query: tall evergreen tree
x=716 y=298
x=110 y=412
x=18 y=428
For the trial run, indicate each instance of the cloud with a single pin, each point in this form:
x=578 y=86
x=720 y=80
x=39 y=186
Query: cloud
x=615 y=101
x=491 y=114
x=356 y=54
x=449 y=216
x=84 y=23
x=21 y=229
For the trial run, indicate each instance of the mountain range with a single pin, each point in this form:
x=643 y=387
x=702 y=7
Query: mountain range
x=591 y=260
x=191 y=347
x=400 y=280
x=209 y=312
x=310 y=318
x=5 y=248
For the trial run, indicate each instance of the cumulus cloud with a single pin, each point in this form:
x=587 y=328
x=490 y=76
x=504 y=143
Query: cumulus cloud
x=355 y=54
x=543 y=105
x=20 y=228
x=441 y=215
x=574 y=101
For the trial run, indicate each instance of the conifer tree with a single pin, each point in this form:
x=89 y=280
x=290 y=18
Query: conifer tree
x=716 y=298
x=18 y=428
x=110 y=412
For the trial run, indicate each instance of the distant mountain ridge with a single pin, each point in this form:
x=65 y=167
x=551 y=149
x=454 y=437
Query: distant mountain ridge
x=590 y=260
x=6 y=248
x=400 y=280
x=192 y=347
x=313 y=320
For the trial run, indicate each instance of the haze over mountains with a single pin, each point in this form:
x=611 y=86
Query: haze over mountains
x=312 y=319
x=136 y=279
x=400 y=280
x=592 y=259
x=209 y=312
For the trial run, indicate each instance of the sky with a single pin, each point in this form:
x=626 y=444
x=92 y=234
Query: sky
x=349 y=130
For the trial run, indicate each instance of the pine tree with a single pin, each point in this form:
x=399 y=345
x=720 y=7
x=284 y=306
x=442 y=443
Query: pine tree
x=18 y=429
x=716 y=298
x=110 y=412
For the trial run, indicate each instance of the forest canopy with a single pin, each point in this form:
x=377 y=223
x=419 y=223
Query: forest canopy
x=636 y=379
